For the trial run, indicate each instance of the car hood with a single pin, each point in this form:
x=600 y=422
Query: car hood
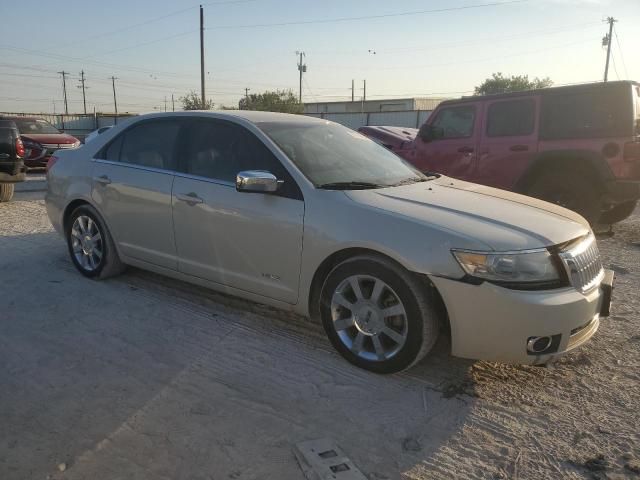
x=500 y=220
x=49 y=138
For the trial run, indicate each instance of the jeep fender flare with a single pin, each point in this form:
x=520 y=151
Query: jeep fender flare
x=585 y=162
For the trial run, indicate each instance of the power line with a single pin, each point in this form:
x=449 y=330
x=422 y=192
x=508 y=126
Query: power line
x=454 y=62
x=624 y=65
x=370 y=17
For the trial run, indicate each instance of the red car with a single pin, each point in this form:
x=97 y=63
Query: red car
x=577 y=146
x=40 y=140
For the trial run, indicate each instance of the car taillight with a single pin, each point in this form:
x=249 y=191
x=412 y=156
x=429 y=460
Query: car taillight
x=52 y=161
x=19 y=147
x=631 y=152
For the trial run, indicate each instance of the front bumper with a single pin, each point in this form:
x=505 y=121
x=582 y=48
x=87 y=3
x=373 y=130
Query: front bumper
x=489 y=322
x=12 y=172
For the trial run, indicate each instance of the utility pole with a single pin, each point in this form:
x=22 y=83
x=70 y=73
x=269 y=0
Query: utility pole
x=64 y=89
x=84 y=98
x=165 y=103
x=115 y=103
x=173 y=104
x=202 y=56
x=608 y=39
x=302 y=68
x=364 y=91
x=246 y=98
x=353 y=90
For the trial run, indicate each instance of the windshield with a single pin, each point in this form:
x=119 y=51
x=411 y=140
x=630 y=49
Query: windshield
x=328 y=153
x=35 y=126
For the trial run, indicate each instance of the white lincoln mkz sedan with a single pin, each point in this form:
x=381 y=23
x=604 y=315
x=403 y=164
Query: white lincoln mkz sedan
x=307 y=215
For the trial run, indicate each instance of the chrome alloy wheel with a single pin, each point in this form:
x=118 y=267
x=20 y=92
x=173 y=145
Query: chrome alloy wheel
x=86 y=243
x=369 y=317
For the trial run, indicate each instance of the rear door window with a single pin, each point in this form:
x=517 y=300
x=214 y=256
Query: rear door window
x=151 y=144
x=456 y=122
x=511 y=118
x=589 y=113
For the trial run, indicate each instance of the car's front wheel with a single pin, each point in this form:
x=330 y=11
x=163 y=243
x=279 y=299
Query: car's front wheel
x=90 y=244
x=378 y=315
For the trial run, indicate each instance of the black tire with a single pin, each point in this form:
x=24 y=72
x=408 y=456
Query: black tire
x=108 y=264
x=618 y=213
x=568 y=190
x=6 y=191
x=421 y=319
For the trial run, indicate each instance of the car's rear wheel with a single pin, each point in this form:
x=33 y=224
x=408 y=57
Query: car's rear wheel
x=6 y=191
x=90 y=244
x=571 y=191
x=378 y=315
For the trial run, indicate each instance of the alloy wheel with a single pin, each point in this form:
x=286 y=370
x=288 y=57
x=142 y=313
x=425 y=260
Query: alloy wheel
x=86 y=243
x=369 y=317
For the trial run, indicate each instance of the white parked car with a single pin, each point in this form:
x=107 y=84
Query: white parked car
x=307 y=215
x=93 y=135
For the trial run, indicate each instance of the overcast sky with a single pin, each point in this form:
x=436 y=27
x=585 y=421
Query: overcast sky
x=152 y=47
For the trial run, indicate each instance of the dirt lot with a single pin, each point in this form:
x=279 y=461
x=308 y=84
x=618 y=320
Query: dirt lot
x=141 y=377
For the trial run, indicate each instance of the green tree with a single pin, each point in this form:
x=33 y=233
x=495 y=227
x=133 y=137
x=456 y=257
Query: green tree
x=272 y=101
x=498 y=83
x=192 y=101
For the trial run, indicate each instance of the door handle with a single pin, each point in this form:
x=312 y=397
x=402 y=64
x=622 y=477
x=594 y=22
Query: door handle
x=191 y=198
x=518 y=148
x=103 y=179
x=465 y=150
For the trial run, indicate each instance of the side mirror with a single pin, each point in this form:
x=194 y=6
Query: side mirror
x=430 y=133
x=257 y=181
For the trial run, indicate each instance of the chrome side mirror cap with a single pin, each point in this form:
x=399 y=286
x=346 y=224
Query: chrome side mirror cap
x=257 y=181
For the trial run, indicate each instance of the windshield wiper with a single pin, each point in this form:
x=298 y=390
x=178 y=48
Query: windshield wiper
x=407 y=181
x=350 y=185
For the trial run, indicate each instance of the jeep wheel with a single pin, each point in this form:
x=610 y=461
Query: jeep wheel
x=6 y=191
x=569 y=191
x=377 y=315
x=618 y=213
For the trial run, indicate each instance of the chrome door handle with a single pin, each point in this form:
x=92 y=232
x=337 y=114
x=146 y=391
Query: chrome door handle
x=190 y=198
x=103 y=179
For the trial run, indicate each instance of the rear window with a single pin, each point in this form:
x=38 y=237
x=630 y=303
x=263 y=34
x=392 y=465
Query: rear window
x=511 y=118
x=601 y=112
x=35 y=126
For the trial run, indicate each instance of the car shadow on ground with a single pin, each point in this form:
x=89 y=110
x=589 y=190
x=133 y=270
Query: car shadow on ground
x=143 y=376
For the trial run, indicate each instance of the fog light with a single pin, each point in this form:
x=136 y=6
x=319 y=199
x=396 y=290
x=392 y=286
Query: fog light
x=538 y=344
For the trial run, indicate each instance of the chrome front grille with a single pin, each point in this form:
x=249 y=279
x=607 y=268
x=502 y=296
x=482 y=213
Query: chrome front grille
x=582 y=263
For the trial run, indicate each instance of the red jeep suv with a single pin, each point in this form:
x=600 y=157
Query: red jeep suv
x=577 y=146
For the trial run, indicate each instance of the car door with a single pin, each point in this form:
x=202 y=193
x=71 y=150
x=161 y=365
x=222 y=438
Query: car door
x=248 y=241
x=455 y=154
x=509 y=140
x=132 y=182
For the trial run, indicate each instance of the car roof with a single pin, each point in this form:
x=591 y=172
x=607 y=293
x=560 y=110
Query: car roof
x=248 y=115
x=541 y=91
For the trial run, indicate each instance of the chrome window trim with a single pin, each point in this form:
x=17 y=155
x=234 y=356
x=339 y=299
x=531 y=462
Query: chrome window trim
x=215 y=181
x=133 y=165
x=224 y=183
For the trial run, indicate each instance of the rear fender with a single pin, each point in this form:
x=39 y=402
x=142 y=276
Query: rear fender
x=584 y=162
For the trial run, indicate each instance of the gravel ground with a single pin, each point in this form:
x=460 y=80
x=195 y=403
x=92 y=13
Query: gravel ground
x=144 y=377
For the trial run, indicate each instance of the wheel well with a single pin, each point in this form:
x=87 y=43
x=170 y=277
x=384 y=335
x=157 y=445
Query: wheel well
x=338 y=257
x=69 y=209
x=572 y=163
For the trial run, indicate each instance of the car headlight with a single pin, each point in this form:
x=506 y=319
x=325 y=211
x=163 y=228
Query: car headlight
x=510 y=267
